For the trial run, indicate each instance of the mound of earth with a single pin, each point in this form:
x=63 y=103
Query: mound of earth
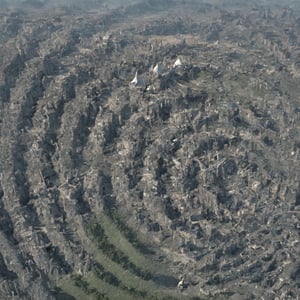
x=150 y=152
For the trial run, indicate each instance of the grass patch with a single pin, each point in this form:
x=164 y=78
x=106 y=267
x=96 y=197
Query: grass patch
x=120 y=269
x=103 y=243
x=76 y=287
x=132 y=239
x=85 y=287
x=128 y=242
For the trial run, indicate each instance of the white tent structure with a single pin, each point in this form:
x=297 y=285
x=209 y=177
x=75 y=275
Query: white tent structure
x=158 y=69
x=137 y=81
x=177 y=63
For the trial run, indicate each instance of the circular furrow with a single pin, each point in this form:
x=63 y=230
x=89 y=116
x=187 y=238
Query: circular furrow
x=85 y=124
x=26 y=48
x=27 y=113
x=69 y=175
x=22 y=265
x=43 y=250
x=52 y=206
x=20 y=112
x=30 y=101
x=68 y=184
x=11 y=73
x=46 y=177
x=158 y=110
x=137 y=176
x=219 y=203
x=9 y=258
x=19 y=140
x=192 y=159
x=23 y=123
x=100 y=149
x=132 y=145
x=44 y=138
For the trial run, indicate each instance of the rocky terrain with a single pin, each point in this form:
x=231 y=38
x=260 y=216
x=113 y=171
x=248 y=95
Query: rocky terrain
x=150 y=151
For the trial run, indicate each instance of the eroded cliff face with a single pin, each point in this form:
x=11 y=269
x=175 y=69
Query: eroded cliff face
x=181 y=183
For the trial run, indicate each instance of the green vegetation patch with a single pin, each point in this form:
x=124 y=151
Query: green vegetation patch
x=124 y=268
x=102 y=241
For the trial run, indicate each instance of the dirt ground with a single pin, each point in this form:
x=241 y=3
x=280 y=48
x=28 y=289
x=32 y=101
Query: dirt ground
x=150 y=151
